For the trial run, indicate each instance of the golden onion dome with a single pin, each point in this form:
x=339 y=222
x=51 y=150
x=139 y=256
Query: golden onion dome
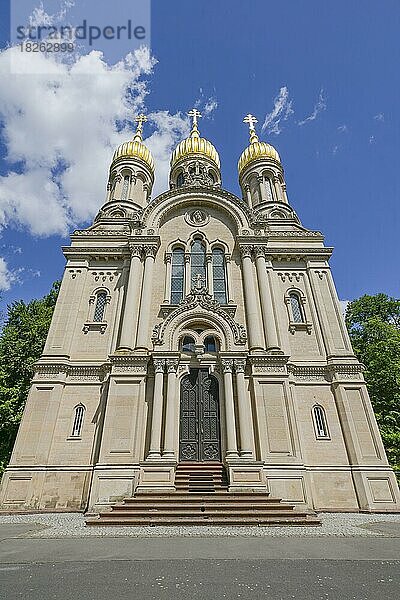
x=195 y=144
x=256 y=149
x=135 y=148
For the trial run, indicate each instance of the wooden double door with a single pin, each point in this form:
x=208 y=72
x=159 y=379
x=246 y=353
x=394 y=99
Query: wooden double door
x=199 y=426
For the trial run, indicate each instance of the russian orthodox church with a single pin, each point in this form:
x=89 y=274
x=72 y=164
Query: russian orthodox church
x=198 y=330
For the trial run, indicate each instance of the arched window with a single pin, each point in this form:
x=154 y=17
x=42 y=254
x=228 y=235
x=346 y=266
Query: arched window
x=99 y=309
x=219 y=275
x=177 y=275
x=78 y=420
x=125 y=187
x=295 y=304
x=188 y=344
x=198 y=264
x=210 y=345
x=321 y=427
x=180 y=180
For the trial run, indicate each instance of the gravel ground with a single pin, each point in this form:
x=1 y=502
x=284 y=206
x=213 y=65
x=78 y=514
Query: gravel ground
x=72 y=525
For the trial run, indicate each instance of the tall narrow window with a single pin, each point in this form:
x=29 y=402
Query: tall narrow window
x=321 y=427
x=78 y=420
x=99 y=309
x=219 y=275
x=268 y=188
x=198 y=264
x=177 y=275
x=125 y=187
x=180 y=180
x=297 y=312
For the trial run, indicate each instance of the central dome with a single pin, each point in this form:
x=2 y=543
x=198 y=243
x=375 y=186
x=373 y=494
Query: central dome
x=195 y=144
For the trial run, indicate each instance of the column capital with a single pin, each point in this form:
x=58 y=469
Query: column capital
x=168 y=257
x=245 y=251
x=208 y=257
x=187 y=257
x=227 y=365
x=150 y=250
x=159 y=364
x=259 y=251
x=172 y=365
x=136 y=251
x=240 y=365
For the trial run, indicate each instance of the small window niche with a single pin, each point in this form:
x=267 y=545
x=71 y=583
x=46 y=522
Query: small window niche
x=210 y=345
x=188 y=345
x=79 y=415
x=98 y=304
x=320 y=423
x=296 y=301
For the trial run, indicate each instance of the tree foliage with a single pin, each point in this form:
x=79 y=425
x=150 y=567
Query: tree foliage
x=374 y=326
x=21 y=343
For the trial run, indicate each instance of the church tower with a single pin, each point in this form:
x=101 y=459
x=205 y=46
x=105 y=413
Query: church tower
x=198 y=333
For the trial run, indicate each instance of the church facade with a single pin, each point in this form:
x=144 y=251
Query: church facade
x=198 y=326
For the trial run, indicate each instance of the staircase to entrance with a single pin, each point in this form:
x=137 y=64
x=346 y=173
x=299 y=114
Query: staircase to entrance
x=202 y=498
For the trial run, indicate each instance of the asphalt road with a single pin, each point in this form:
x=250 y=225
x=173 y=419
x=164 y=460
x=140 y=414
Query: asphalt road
x=304 y=568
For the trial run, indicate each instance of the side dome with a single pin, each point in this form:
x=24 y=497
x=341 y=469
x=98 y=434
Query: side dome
x=135 y=148
x=256 y=149
x=195 y=144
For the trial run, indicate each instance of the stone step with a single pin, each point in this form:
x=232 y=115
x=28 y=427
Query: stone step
x=189 y=506
x=293 y=520
x=255 y=498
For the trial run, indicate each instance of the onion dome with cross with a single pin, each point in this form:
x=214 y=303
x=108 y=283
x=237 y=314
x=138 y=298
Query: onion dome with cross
x=256 y=149
x=136 y=148
x=195 y=161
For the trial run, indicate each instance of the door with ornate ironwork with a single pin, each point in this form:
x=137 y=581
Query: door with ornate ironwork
x=199 y=432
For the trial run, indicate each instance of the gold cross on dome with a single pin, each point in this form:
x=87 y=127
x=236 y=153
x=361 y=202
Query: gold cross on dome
x=195 y=114
x=140 y=119
x=251 y=120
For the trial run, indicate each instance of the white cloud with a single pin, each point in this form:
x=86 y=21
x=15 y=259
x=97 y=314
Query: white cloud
x=343 y=128
x=281 y=112
x=379 y=117
x=60 y=128
x=319 y=106
x=7 y=277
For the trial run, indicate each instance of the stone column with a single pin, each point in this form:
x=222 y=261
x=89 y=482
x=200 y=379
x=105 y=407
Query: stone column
x=168 y=269
x=188 y=284
x=231 y=444
x=157 y=413
x=267 y=308
x=256 y=338
x=129 y=318
x=169 y=439
x=278 y=191
x=245 y=414
x=145 y=301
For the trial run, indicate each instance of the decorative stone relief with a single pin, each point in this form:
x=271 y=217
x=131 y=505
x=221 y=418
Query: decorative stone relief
x=197 y=217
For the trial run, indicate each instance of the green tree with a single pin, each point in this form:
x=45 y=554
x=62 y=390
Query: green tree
x=21 y=343
x=374 y=326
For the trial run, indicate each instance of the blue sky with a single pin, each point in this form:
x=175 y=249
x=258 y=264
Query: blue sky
x=332 y=66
